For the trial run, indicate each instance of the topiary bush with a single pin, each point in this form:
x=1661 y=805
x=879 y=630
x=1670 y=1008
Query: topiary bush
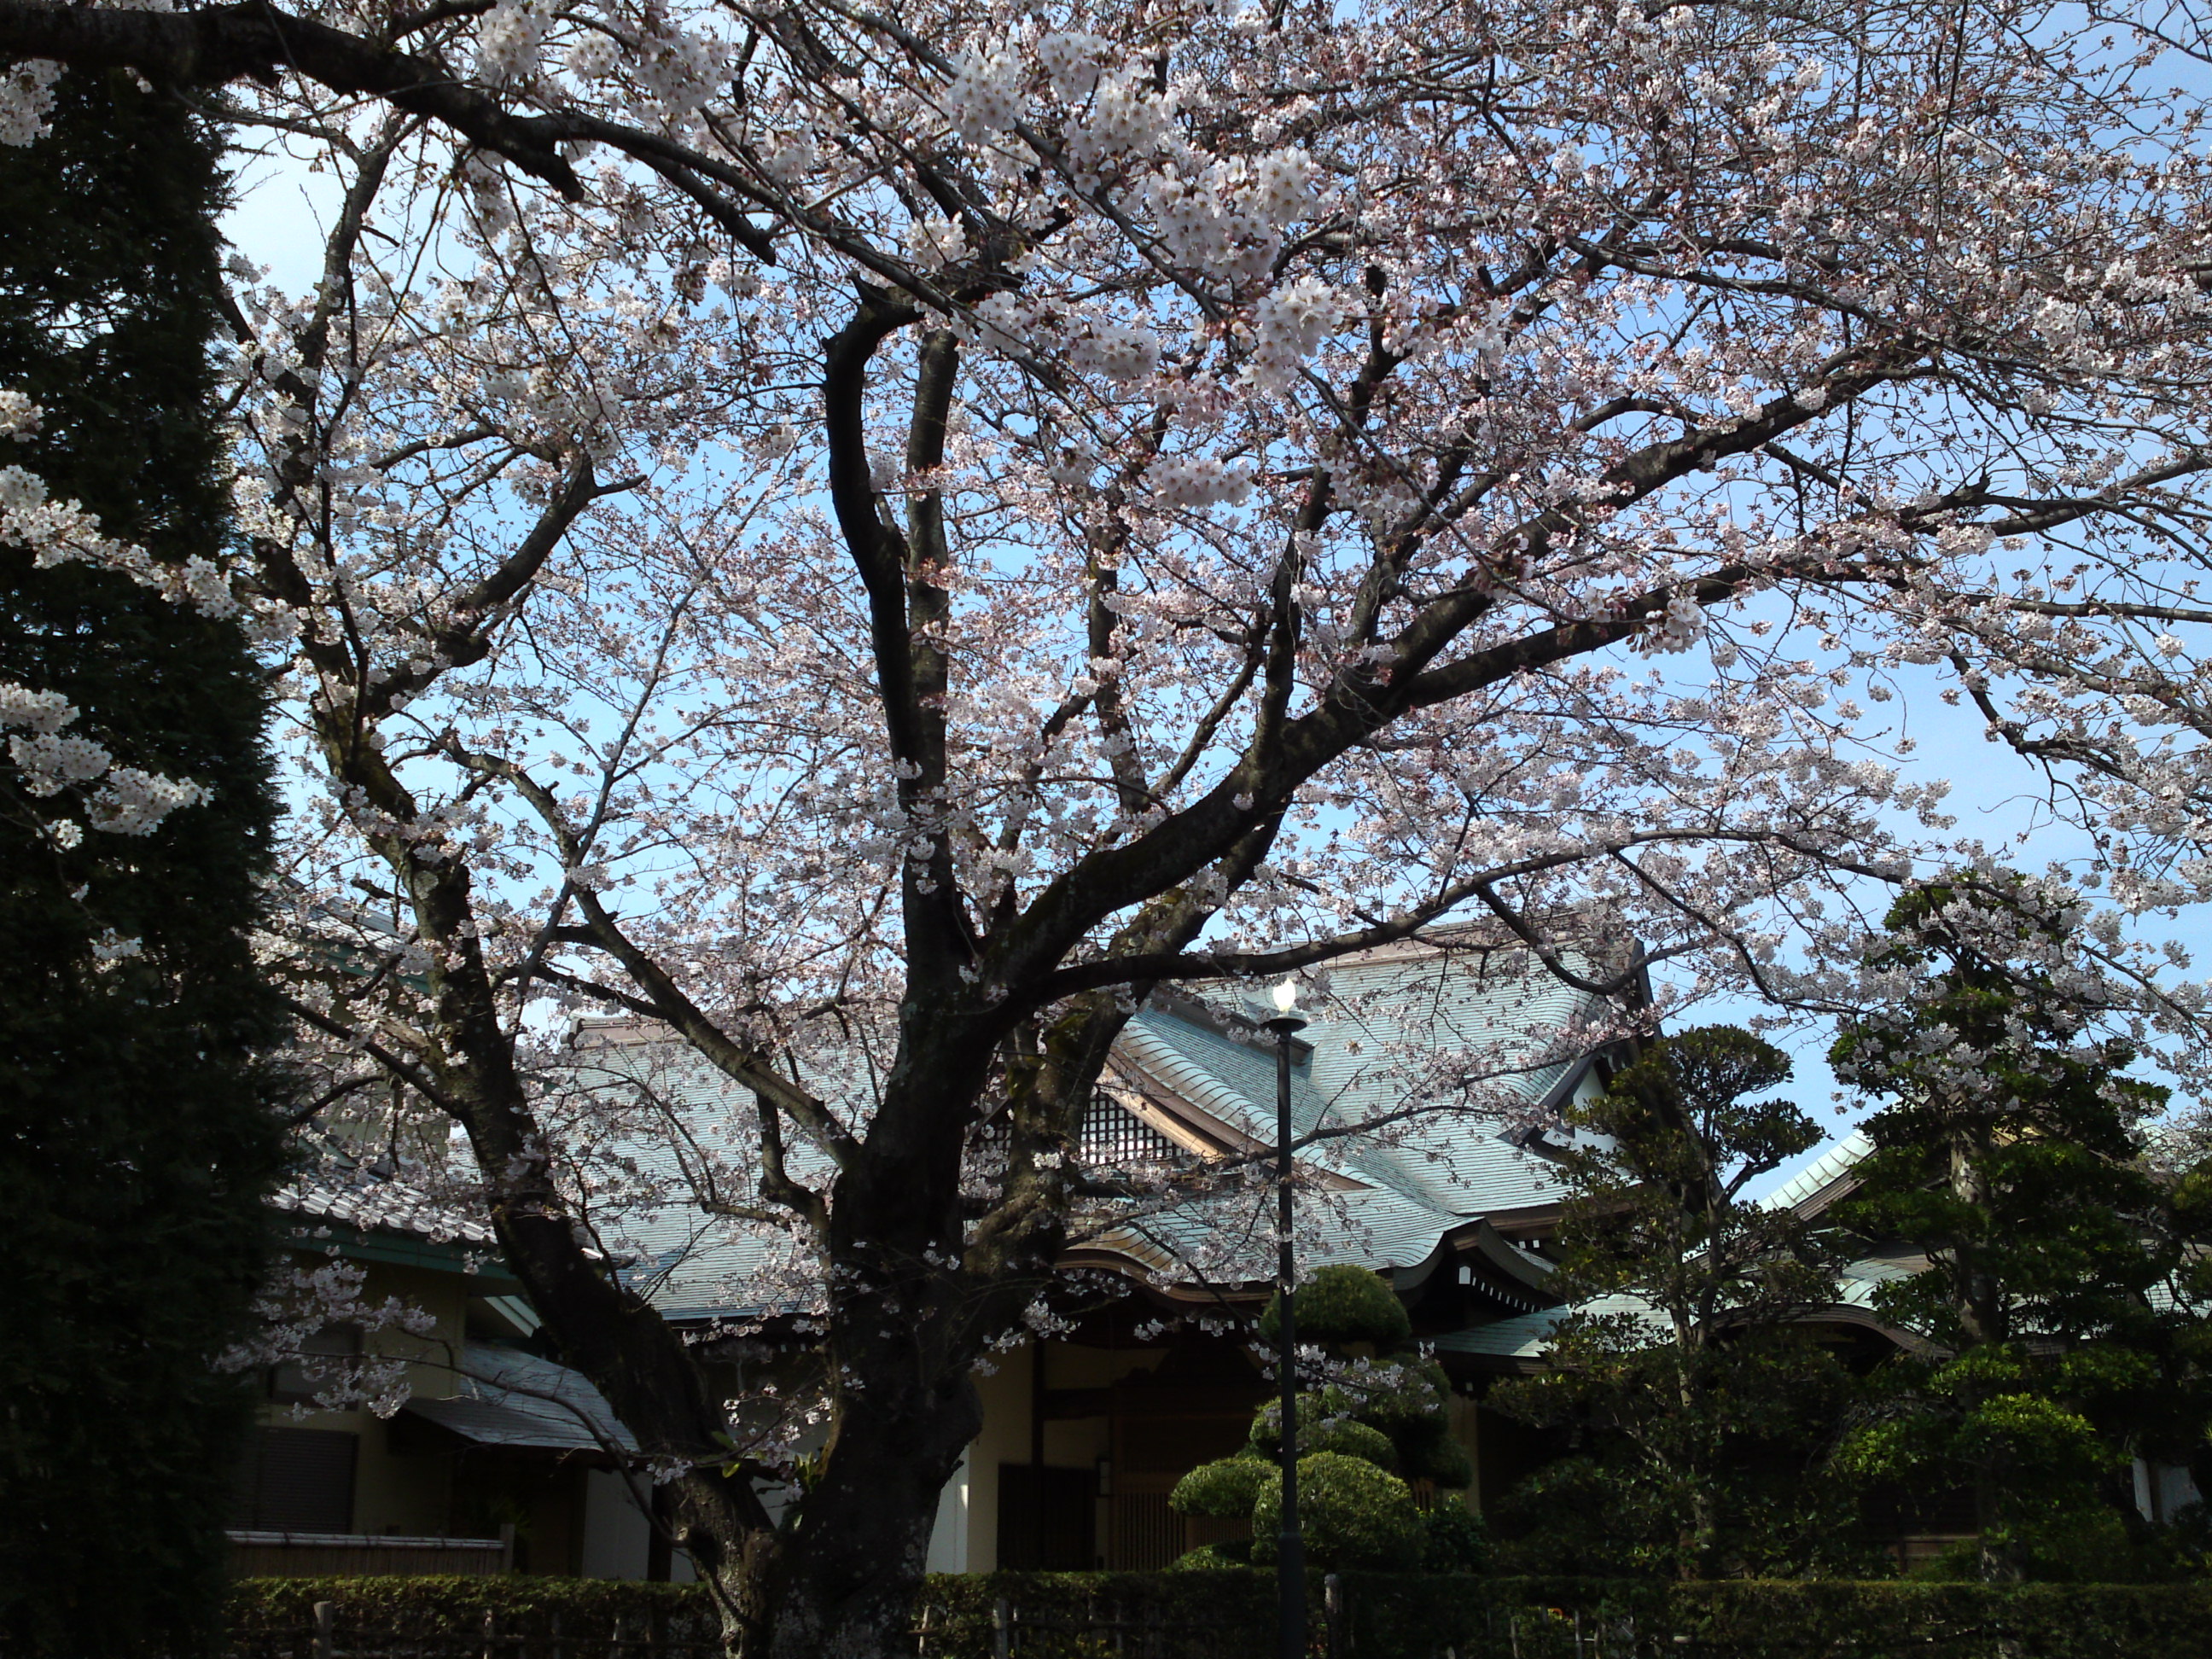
x=1320 y=1430
x=1227 y=1488
x=1380 y=1416
x=1351 y=1515
x=1341 y=1305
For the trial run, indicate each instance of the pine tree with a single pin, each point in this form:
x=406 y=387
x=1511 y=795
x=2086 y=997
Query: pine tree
x=137 y=1138
x=1701 y=1409
x=2063 y=1286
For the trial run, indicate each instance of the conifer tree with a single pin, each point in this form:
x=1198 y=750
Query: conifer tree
x=137 y=1138
x=2064 y=1294
x=1700 y=1407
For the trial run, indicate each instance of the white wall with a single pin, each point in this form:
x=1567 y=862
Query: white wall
x=2162 y=1489
x=616 y=1535
x=948 y=1538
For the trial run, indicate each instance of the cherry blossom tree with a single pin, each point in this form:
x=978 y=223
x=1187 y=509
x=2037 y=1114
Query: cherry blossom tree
x=871 y=537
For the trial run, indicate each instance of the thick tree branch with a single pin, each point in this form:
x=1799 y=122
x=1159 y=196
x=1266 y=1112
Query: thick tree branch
x=253 y=42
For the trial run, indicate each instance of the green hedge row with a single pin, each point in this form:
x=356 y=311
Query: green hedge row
x=1402 y=1617
x=1230 y=1615
x=435 y=1616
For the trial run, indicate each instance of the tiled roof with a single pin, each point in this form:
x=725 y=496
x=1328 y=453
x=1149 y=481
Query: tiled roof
x=360 y=1196
x=1525 y=1336
x=1812 y=1181
x=1375 y=1042
x=510 y=1398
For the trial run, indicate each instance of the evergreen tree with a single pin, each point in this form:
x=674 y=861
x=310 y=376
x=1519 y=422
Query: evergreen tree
x=1702 y=1411
x=137 y=1141
x=1379 y=1420
x=2061 y=1292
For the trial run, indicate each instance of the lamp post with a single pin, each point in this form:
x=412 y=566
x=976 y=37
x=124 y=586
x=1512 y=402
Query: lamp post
x=1290 y=1545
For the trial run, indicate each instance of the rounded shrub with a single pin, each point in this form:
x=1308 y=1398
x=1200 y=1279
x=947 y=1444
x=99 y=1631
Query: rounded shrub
x=1352 y=1515
x=1395 y=1394
x=1230 y=1486
x=1350 y=1440
x=1265 y=1435
x=1319 y=1432
x=1344 y=1303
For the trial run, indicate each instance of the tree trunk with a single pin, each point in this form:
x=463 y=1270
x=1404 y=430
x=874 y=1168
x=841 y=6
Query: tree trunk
x=844 y=1582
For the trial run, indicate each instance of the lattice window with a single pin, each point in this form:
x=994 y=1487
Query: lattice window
x=1113 y=1135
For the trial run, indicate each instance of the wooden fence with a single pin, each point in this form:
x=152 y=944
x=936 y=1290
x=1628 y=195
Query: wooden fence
x=326 y=1554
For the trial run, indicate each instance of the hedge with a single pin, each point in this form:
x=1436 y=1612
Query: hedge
x=275 y=1618
x=1400 y=1616
x=1230 y=1615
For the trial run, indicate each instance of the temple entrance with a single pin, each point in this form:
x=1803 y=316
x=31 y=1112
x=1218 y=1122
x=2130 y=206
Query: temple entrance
x=1047 y=1519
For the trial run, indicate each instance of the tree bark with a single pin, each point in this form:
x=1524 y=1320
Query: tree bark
x=845 y=1585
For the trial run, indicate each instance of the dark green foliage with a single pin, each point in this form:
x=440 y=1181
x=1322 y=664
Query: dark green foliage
x=1342 y=1305
x=1231 y=1554
x=1383 y=1415
x=1454 y=1540
x=2061 y=1292
x=1323 y=1426
x=136 y=1142
x=1403 y=1398
x=274 y=1618
x=1352 y=1515
x=1408 y=1617
x=1227 y=1488
x=1228 y=1613
x=1702 y=1412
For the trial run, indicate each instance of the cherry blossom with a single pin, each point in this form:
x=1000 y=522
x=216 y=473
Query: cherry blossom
x=863 y=542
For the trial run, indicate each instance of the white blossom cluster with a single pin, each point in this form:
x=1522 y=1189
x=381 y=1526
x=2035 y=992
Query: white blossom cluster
x=49 y=759
x=1121 y=351
x=124 y=800
x=985 y=97
x=1197 y=481
x=26 y=96
x=301 y=1301
x=1288 y=325
x=510 y=42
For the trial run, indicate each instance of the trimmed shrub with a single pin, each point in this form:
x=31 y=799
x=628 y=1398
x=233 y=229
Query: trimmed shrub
x=1407 y=1393
x=1229 y=1487
x=1405 y=1616
x=1352 y=1515
x=1343 y=1304
x=1233 y=1553
x=274 y=1618
x=1318 y=1432
x=1227 y=1614
x=1220 y=1610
